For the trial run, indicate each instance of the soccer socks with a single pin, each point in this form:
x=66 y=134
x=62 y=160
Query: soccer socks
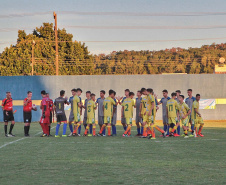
x=109 y=130
x=46 y=128
x=91 y=129
x=165 y=128
x=125 y=128
x=11 y=128
x=153 y=132
x=178 y=130
x=102 y=129
x=142 y=129
x=43 y=128
x=76 y=128
x=174 y=128
x=86 y=131
x=5 y=127
x=26 y=130
x=71 y=128
x=57 y=129
x=200 y=129
x=79 y=129
x=138 y=131
x=160 y=130
x=168 y=129
x=145 y=131
x=113 y=129
x=64 y=128
x=192 y=127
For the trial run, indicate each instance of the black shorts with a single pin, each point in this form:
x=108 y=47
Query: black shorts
x=27 y=117
x=50 y=117
x=61 y=118
x=8 y=116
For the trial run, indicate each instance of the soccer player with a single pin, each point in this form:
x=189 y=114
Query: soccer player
x=150 y=115
x=184 y=111
x=88 y=97
x=60 y=113
x=108 y=107
x=163 y=101
x=138 y=117
x=127 y=107
x=45 y=118
x=91 y=107
x=143 y=109
x=79 y=92
x=123 y=120
x=114 y=117
x=71 y=116
x=7 y=107
x=196 y=117
x=100 y=102
x=77 y=105
x=51 y=112
x=189 y=101
x=172 y=109
x=178 y=92
x=27 y=108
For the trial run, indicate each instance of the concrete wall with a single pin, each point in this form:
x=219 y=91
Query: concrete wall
x=208 y=85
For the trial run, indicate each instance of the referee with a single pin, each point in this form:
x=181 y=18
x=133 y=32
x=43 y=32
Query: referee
x=7 y=107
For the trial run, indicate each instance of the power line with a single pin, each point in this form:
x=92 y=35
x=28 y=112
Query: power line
x=133 y=14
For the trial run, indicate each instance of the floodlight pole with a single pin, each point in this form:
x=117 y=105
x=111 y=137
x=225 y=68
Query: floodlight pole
x=56 y=42
x=32 y=58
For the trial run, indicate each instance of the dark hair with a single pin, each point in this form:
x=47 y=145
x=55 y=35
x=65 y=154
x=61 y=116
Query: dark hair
x=29 y=92
x=165 y=91
x=102 y=91
x=62 y=92
x=142 y=90
x=182 y=96
x=178 y=91
x=111 y=91
x=88 y=92
x=93 y=94
x=78 y=89
x=189 y=90
x=174 y=94
x=139 y=91
x=150 y=90
x=74 y=90
x=131 y=93
x=43 y=92
x=197 y=95
x=127 y=90
x=114 y=93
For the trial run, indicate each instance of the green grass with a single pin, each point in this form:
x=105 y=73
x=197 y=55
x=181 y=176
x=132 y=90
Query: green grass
x=112 y=160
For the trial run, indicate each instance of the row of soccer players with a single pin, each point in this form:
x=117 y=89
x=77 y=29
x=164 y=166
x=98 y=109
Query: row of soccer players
x=107 y=109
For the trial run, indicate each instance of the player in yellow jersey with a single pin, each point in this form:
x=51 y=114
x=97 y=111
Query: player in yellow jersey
x=196 y=116
x=172 y=109
x=76 y=111
x=91 y=107
x=143 y=107
x=108 y=112
x=151 y=113
x=184 y=111
x=127 y=107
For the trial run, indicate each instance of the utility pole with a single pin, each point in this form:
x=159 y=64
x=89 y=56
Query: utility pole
x=32 y=58
x=56 y=42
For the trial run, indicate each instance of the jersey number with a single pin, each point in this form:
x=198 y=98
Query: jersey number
x=126 y=105
x=170 y=108
x=106 y=106
x=89 y=108
x=59 y=106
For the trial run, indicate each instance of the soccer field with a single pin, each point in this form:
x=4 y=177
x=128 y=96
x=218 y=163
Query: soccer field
x=112 y=160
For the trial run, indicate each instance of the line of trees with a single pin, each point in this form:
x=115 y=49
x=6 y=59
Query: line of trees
x=75 y=59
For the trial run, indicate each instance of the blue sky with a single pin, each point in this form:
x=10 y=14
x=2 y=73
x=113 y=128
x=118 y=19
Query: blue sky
x=134 y=6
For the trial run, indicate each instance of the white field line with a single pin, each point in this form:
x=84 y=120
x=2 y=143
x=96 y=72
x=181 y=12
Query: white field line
x=20 y=139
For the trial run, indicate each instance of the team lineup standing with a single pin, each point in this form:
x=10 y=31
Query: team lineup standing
x=175 y=112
